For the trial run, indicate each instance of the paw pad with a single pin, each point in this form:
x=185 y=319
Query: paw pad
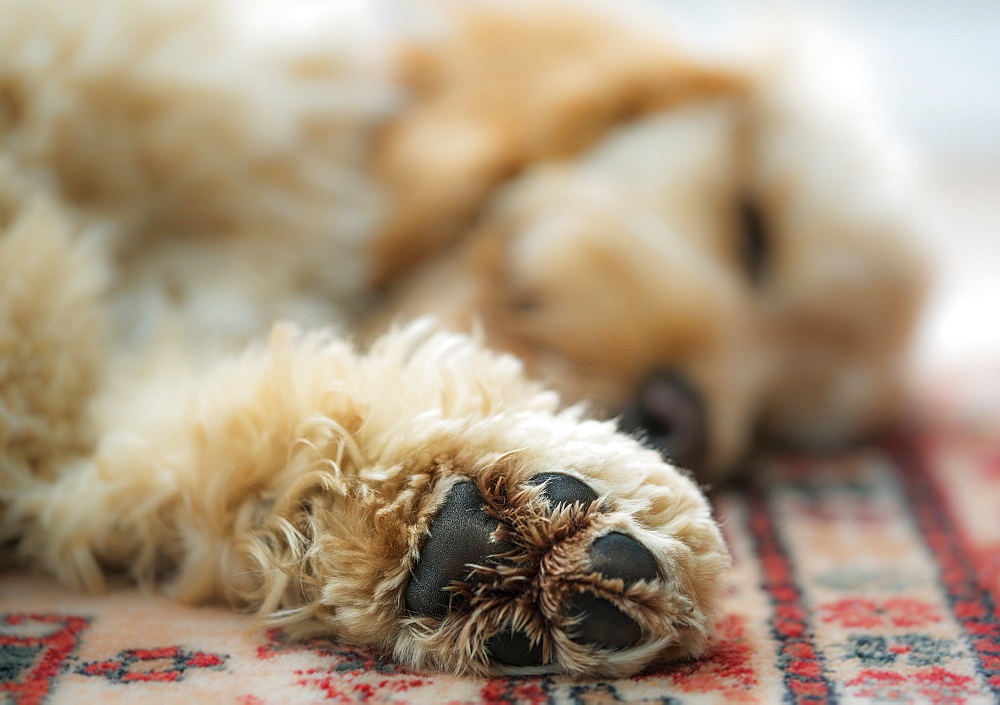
x=562 y=490
x=460 y=535
x=617 y=555
x=514 y=648
x=601 y=624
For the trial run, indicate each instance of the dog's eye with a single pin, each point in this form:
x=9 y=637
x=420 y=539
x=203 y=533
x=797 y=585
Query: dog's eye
x=754 y=240
x=525 y=303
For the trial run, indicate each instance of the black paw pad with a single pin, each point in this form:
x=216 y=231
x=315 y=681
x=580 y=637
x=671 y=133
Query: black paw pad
x=617 y=555
x=602 y=624
x=514 y=648
x=459 y=535
x=562 y=490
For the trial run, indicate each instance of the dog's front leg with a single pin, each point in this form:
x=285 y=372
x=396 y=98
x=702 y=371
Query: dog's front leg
x=424 y=499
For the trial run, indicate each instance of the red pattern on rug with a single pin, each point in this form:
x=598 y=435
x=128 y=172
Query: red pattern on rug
x=33 y=650
x=164 y=664
x=871 y=577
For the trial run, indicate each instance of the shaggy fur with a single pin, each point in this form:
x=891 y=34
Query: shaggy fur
x=177 y=176
x=301 y=480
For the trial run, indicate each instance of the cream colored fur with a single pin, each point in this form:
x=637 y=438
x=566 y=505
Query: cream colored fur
x=193 y=126
x=177 y=176
x=300 y=480
x=53 y=336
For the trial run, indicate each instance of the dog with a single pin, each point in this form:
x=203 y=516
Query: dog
x=691 y=250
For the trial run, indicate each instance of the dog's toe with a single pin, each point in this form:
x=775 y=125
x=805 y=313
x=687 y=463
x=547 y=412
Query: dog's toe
x=599 y=623
x=562 y=490
x=616 y=555
x=602 y=625
x=460 y=536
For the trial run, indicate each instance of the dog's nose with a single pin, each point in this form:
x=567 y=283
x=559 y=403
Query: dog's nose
x=669 y=415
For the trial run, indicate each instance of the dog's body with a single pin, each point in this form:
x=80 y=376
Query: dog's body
x=633 y=225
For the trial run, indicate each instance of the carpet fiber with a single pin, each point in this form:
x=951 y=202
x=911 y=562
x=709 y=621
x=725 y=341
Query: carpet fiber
x=870 y=577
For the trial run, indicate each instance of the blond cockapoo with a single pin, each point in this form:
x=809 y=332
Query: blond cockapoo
x=639 y=228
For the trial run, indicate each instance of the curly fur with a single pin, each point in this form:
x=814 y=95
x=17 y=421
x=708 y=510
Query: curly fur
x=301 y=479
x=178 y=176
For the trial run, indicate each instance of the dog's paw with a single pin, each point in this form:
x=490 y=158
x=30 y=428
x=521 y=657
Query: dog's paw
x=520 y=573
x=469 y=544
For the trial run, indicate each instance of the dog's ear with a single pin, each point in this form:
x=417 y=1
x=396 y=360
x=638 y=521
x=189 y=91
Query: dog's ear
x=505 y=87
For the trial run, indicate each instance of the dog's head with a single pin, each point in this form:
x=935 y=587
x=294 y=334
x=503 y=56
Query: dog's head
x=714 y=262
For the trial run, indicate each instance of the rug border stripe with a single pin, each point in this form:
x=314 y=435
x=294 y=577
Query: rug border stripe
x=802 y=667
x=971 y=603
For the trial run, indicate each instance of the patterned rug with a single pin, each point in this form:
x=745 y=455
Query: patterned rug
x=871 y=577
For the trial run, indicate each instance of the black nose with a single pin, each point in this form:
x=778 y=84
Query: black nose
x=669 y=415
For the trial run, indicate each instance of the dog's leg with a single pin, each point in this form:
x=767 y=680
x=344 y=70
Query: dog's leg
x=424 y=500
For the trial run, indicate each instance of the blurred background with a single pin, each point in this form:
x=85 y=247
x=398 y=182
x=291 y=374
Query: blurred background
x=936 y=68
